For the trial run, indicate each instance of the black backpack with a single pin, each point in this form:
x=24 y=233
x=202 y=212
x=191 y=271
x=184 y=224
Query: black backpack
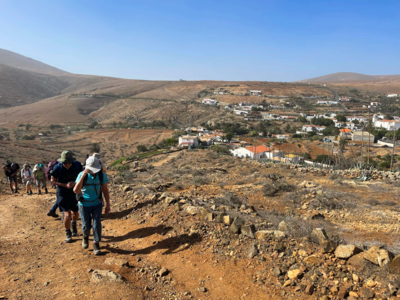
x=79 y=196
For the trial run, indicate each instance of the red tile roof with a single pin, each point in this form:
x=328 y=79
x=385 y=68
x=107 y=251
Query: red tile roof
x=258 y=149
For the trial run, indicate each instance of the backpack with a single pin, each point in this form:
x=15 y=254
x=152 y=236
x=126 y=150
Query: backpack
x=50 y=168
x=79 y=196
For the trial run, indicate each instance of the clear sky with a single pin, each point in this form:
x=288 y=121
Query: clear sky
x=267 y=40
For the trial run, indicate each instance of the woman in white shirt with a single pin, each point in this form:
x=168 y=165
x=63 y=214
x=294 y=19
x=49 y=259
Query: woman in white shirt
x=27 y=176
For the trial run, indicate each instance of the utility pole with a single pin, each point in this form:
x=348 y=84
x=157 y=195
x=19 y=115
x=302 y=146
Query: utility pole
x=394 y=145
x=369 y=135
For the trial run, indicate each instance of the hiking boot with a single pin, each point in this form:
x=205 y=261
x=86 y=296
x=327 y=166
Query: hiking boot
x=40 y=192
x=16 y=191
x=12 y=191
x=68 y=236
x=46 y=192
x=52 y=214
x=74 y=230
x=31 y=192
x=85 y=242
x=28 y=193
x=96 y=249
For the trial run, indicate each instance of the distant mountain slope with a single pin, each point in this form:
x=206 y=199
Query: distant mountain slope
x=19 y=61
x=19 y=87
x=341 y=76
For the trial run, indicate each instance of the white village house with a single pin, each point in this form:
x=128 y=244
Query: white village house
x=209 y=102
x=253 y=152
x=185 y=140
x=387 y=124
x=255 y=92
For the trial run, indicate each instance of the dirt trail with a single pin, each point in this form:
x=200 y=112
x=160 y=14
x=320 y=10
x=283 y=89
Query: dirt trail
x=167 y=159
x=37 y=264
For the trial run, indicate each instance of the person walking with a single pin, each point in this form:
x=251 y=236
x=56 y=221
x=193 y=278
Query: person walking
x=27 y=177
x=63 y=176
x=90 y=185
x=11 y=170
x=40 y=178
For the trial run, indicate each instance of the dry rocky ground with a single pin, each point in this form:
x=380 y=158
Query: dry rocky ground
x=193 y=225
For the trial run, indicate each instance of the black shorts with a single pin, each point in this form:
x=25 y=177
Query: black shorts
x=67 y=202
x=12 y=178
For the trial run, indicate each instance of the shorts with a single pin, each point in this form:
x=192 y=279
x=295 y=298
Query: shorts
x=12 y=178
x=67 y=202
x=41 y=182
x=26 y=181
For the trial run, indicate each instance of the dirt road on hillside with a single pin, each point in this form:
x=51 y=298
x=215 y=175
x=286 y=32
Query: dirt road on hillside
x=37 y=264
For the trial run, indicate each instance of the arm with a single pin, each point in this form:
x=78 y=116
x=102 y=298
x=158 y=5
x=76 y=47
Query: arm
x=16 y=172
x=78 y=186
x=106 y=194
x=68 y=185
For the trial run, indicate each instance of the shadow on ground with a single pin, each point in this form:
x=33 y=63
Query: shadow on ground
x=172 y=245
x=138 y=233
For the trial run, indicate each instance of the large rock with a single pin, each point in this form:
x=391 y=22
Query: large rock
x=358 y=263
x=191 y=210
x=346 y=251
x=394 y=266
x=253 y=251
x=236 y=225
x=279 y=235
x=117 y=261
x=264 y=235
x=378 y=256
x=105 y=276
x=202 y=212
x=328 y=246
x=283 y=226
x=294 y=274
x=318 y=235
x=248 y=230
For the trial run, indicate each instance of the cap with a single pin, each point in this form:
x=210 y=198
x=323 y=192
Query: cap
x=93 y=164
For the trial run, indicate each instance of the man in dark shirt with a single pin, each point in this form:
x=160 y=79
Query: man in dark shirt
x=11 y=170
x=63 y=176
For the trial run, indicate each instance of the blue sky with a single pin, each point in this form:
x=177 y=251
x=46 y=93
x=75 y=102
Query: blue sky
x=269 y=40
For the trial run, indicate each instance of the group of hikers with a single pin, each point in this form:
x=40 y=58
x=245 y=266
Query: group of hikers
x=80 y=190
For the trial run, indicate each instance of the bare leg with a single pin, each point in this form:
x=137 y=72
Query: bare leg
x=67 y=219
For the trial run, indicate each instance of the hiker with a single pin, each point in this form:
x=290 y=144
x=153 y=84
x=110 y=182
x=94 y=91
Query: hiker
x=50 y=167
x=11 y=170
x=63 y=176
x=40 y=178
x=27 y=177
x=90 y=185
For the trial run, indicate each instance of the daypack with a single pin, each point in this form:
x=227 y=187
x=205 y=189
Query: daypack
x=50 y=168
x=79 y=196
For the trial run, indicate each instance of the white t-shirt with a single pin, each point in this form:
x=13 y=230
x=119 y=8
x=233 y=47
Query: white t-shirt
x=26 y=173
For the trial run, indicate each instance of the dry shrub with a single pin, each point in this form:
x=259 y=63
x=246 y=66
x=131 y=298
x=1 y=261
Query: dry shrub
x=335 y=176
x=212 y=155
x=270 y=189
x=294 y=199
x=141 y=190
x=389 y=203
x=228 y=198
x=331 y=199
x=201 y=180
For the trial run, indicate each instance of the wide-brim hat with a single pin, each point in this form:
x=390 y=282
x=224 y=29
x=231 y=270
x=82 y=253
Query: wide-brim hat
x=67 y=157
x=93 y=164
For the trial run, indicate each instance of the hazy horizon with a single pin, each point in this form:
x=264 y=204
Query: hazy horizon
x=232 y=41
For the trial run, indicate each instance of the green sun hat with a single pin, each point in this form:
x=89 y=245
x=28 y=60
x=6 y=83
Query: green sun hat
x=67 y=157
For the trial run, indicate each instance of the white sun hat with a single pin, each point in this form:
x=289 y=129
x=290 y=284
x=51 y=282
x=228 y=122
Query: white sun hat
x=93 y=164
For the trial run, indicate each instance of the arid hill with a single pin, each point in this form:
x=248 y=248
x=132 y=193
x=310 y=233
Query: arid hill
x=349 y=76
x=19 y=61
